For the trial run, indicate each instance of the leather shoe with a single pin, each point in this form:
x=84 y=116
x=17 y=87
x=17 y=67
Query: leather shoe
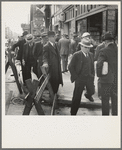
x=90 y=98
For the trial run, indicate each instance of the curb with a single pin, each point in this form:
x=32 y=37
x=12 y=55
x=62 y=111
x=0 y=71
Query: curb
x=82 y=104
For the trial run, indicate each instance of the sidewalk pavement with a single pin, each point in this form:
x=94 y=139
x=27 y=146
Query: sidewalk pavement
x=65 y=94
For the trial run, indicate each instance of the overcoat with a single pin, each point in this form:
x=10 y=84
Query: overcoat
x=108 y=54
x=52 y=58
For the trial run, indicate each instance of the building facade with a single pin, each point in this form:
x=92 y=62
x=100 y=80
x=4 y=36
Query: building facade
x=96 y=19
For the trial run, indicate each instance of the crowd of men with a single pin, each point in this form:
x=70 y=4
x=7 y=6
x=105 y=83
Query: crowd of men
x=49 y=49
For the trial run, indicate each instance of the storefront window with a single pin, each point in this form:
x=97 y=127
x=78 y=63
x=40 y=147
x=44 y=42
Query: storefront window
x=78 y=9
x=81 y=9
x=73 y=12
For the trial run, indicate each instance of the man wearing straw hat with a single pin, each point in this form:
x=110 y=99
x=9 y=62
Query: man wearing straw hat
x=29 y=60
x=81 y=68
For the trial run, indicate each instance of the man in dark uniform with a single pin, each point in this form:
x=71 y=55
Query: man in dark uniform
x=109 y=80
x=20 y=44
x=81 y=68
x=51 y=60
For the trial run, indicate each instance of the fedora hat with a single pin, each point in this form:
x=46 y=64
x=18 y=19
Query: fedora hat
x=86 y=43
x=108 y=36
x=44 y=34
x=75 y=35
x=25 y=33
x=29 y=38
x=85 y=34
x=51 y=33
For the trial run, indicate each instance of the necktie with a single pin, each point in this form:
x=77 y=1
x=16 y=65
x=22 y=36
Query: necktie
x=54 y=45
x=87 y=55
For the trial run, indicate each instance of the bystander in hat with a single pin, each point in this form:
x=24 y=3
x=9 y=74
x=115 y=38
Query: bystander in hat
x=108 y=36
x=51 y=33
x=25 y=33
x=29 y=38
x=39 y=36
x=85 y=34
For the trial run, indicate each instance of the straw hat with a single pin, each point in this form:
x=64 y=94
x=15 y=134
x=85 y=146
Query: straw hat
x=86 y=43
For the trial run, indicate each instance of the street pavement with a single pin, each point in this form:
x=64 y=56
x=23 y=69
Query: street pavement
x=65 y=96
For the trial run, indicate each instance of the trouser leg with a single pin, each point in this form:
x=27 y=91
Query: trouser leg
x=76 y=97
x=35 y=68
x=99 y=88
x=54 y=85
x=105 y=95
x=66 y=62
x=63 y=62
x=89 y=88
x=23 y=73
x=27 y=71
x=114 y=100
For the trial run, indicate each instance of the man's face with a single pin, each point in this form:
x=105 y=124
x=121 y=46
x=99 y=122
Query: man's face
x=30 y=42
x=44 y=40
x=52 y=38
x=85 y=49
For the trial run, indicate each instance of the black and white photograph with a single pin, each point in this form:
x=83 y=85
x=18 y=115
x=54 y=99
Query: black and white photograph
x=61 y=66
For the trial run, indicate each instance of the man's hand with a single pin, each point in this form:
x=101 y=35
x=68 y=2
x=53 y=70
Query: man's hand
x=17 y=62
x=45 y=66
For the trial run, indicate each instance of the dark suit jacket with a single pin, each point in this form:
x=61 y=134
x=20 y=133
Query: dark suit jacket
x=19 y=44
x=64 y=45
x=52 y=58
x=108 y=54
x=36 y=52
x=76 y=65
